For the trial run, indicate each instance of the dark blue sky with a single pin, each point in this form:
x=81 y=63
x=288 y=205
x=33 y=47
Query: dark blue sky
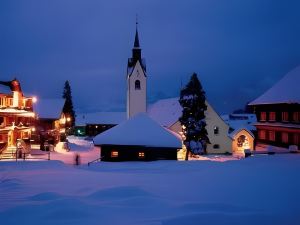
x=237 y=48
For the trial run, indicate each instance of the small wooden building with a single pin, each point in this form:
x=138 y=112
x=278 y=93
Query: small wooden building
x=138 y=138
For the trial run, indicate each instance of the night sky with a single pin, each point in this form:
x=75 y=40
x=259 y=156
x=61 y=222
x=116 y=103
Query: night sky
x=238 y=48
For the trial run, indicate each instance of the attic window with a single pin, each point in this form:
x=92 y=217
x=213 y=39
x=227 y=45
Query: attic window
x=114 y=154
x=141 y=155
x=216 y=130
x=137 y=85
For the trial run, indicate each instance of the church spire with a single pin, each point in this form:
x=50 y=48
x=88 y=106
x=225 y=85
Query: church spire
x=136 y=51
x=136 y=39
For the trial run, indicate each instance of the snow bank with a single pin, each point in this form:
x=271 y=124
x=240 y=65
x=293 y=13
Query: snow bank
x=257 y=190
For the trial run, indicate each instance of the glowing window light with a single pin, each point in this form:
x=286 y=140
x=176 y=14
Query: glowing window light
x=114 y=154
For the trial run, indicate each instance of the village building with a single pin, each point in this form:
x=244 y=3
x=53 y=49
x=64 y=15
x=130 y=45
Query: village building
x=92 y=124
x=278 y=113
x=224 y=139
x=138 y=138
x=16 y=118
x=51 y=121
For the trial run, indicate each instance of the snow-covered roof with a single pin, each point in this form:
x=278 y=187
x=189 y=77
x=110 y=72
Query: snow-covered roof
x=49 y=108
x=233 y=134
x=17 y=112
x=240 y=121
x=166 y=111
x=100 y=118
x=284 y=91
x=139 y=130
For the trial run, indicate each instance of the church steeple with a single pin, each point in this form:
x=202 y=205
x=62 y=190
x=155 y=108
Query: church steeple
x=136 y=39
x=136 y=51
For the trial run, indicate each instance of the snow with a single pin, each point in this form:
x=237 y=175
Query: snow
x=100 y=118
x=256 y=190
x=49 y=108
x=284 y=91
x=139 y=130
x=166 y=111
x=240 y=121
x=17 y=111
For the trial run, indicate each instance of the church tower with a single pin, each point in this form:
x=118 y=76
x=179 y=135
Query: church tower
x=136 y=80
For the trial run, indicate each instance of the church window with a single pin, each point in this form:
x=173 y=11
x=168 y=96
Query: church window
x=216 y=130
x=216 y=146
x=137 y=85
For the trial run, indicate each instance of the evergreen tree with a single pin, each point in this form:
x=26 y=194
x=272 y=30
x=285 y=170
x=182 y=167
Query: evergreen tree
x=68 y=107
x=192 y=100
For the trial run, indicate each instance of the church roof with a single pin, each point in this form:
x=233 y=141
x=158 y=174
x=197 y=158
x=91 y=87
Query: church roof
x=49 y=108
x=165 y=111
x=285 y=90
x=139 y=130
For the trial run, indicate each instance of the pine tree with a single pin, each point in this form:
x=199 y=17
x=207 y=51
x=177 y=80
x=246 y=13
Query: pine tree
x=192 y=100
x=68 y=107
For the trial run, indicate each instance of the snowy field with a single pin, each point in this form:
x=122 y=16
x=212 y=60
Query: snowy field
x=256 y=190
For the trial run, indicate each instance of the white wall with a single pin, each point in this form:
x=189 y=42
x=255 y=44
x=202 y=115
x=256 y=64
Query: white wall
x=136 y=99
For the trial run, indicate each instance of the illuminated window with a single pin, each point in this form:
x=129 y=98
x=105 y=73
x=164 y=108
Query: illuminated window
x=262 y=134
x=285 y=137
x=272 y=135
x=263 y=116
x=137 y=85
x=285 y=116
x=296 y=116
x=272 y=116
x=114 y=154
x=1 y=138
x=216 y=146
x=216 y=130
x=141 y=154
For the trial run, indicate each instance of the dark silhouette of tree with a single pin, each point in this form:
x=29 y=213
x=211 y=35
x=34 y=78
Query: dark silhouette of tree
x=68 y=109
x=192 y=100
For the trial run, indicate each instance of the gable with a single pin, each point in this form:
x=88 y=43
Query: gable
x=136 y=69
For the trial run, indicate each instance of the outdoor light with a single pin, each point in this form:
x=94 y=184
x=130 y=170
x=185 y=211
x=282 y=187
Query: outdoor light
x=34 y=99
x=68 y=119
x=33 y=129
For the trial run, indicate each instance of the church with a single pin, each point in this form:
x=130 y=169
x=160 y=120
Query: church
x=165 y=112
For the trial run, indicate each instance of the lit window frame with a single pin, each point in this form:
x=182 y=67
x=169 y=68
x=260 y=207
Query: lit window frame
x=114 y=154
x=272 y=116
x=141 y=155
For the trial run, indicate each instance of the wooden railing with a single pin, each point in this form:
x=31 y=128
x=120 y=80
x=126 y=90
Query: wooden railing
x=19 y=155
x=96 y=160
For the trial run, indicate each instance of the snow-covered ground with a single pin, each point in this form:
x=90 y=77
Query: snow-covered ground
x=257 y=190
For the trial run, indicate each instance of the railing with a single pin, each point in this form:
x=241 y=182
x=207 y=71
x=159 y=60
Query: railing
x=19 y=155
x=96 y=160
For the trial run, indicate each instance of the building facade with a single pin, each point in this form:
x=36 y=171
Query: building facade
x=278 y=113
x=16 y=117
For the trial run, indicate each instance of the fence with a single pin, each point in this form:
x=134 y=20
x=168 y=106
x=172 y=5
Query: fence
x=19 y=155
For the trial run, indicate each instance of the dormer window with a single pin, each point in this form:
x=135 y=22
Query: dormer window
x=137 y=85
